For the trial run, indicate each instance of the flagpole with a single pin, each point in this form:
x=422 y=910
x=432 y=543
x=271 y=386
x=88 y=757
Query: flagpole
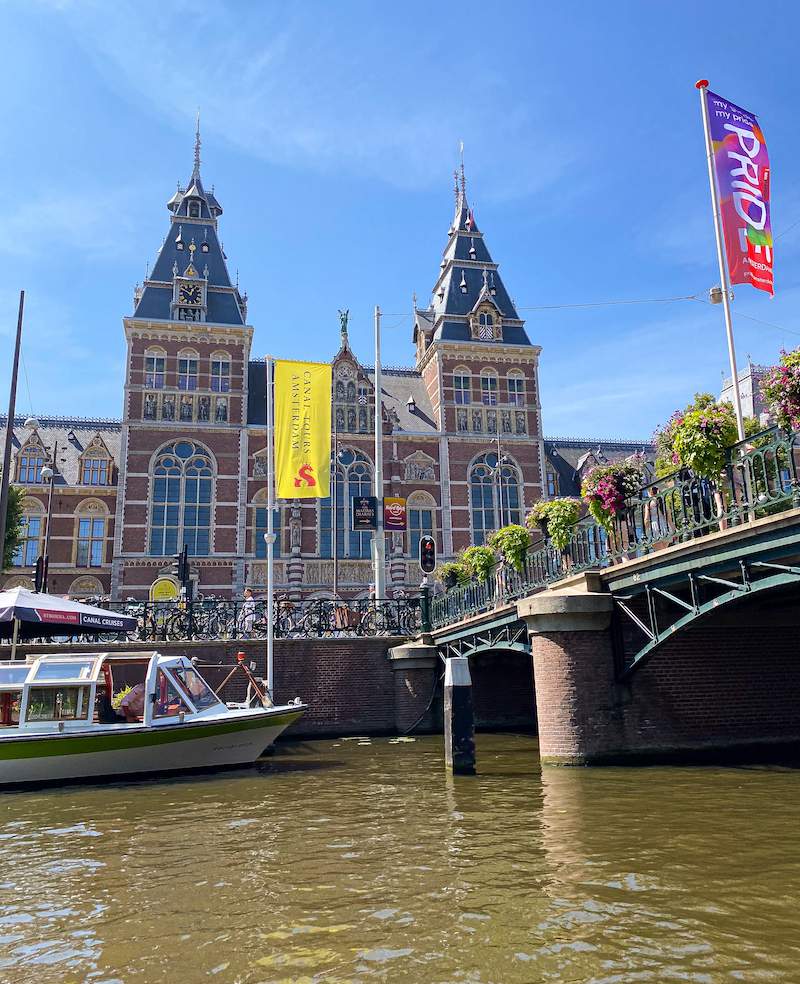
x=701 y=86
x=380 y=542
x=5 y=476
x=269 y=536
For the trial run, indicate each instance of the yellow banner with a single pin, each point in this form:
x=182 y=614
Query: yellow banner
x=302 y=430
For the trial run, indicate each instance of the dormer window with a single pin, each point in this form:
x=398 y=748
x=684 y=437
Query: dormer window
x=179 y=244
x=204 y=247
x=194 y=210
x=485 y=326
x=31 y=462
x=94 y=471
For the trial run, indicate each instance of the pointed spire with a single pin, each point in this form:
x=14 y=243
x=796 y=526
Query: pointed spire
x=455 y=185
x=463 y=178
x=196 y=171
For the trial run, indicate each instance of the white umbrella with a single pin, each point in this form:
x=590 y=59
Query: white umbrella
x=28 y=614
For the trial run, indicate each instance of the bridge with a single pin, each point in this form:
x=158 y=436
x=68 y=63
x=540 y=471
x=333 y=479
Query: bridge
x=673 y=633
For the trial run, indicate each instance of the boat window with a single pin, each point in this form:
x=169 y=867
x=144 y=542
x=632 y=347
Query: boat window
x=9 y=708
x=57 y=704
x=198 y=691
x=169 y=702
x=9 y=675
x=66 y=670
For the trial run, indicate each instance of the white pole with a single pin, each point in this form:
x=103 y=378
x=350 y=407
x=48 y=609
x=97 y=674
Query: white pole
x=380 y=543
x=15 y=638
x=701 y=86
x=269 y=536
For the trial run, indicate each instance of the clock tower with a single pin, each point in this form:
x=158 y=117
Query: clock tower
x=185 y=415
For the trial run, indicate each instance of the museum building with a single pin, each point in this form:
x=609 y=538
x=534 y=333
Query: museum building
x=462 y=428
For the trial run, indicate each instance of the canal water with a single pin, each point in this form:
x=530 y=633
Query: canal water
x=359 y=860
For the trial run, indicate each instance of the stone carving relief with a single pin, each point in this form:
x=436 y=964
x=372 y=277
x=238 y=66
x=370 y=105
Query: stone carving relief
x=419 y=467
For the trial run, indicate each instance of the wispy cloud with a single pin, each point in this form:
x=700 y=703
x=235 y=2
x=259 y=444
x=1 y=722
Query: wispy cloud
x=79 y=220
x=279 y=83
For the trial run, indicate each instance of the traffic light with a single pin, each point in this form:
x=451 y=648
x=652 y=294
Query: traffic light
x=427 y=554
x=179 y=568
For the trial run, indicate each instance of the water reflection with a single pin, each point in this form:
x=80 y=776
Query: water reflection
x=362 y=861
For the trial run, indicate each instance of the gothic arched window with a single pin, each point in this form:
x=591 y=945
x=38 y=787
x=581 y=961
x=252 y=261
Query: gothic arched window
x=182 y=483
x=353 y=477
x=495 y=498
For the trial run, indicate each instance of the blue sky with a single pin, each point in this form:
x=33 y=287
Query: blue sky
x=331 y=131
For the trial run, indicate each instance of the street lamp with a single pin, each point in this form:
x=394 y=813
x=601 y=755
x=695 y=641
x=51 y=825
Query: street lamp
x=48 y=475
x=502 y=460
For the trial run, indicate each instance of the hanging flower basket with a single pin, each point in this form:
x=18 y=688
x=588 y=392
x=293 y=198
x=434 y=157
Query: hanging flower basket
x=697 y=438
x=780 y=387
x=478 y=562
x=512 y=543
x=451 y=574
x=556 y=518
x=606 y=488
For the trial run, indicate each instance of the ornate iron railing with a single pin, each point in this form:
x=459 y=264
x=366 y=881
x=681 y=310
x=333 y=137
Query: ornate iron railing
x=212 y=619
x=759 y=478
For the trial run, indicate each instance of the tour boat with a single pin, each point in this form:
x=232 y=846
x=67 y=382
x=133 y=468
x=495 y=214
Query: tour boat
x=60 y=719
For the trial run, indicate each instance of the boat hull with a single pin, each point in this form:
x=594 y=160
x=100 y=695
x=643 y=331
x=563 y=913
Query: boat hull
x=234 y=740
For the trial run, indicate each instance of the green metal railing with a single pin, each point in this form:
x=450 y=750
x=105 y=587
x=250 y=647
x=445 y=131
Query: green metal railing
x=759 y=479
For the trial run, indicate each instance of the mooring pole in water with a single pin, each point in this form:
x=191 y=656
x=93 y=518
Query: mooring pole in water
x=459 y=721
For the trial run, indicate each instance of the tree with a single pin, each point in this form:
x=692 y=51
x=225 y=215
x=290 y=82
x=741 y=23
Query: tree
x=13 y=525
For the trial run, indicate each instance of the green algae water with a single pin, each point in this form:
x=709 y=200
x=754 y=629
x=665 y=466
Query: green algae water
x=360 y=860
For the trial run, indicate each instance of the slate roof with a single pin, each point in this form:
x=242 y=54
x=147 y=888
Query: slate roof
x=396 y=386
x=566 y=456
x=73 y=434
x=225 y=305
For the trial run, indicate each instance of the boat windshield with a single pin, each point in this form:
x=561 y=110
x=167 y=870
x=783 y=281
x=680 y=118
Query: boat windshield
x=198 y=691
x=14 y=676
x=51 y=669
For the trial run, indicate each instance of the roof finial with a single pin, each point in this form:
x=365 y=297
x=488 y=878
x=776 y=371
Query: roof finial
x=455 y=184
x=196 y=171
x=463 y=178
x=344 y=318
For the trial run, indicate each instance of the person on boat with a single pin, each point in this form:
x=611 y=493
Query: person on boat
x=132 y=704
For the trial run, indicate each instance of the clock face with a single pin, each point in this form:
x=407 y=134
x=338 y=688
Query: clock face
x=190 y=293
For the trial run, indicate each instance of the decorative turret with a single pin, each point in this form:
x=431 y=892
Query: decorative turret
x=469 y=301
x=177 y=290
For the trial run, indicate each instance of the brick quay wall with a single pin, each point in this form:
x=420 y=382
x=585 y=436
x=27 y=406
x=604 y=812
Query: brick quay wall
x=351 y=686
